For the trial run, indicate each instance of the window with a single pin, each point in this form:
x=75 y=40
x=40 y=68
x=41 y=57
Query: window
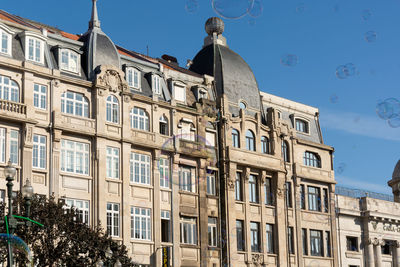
x=314 y=198
x=386 y=248
x=253 y=189
x=316 y=242
x=352 y=243
x=285 y=151
x=235 y=138
x=34 y=51
x=305 y=242
x=290 y=240
x=186 y=131
x=328 y=244
x=74 y=104
x=2 y=145
x=164 y=125
x=270 y=238
x=9 y=90
x=39 y=151
x=211 y=184
x=14 y=146
x=238 y=187
x=188 y=231
x=156 y=85
x=140 y=223
x=288 y=194
x=212 y=232
x=202 y=94
x=264 y=145
x=240 y=238
x=242 y=105
x=250 y=141
x=112 y=109
x=268 y=192
x=302 y=198
x=5 y=44
x=112 y=164
x=82 y=208
x=40 y=96
x=255 y=236
x=113 y=219
x=164 y=172
x=312 y=159
x=187 y=179
x=180 y=92
x=139 y=119
x=133 y=78
x=140 y=168
x=69 y=60
x=301 y=126
x=326 y=200
x=165 y=226
x=74 y=157
x=210 y=135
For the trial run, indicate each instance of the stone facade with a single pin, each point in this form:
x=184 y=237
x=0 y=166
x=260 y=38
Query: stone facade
x=197 y=160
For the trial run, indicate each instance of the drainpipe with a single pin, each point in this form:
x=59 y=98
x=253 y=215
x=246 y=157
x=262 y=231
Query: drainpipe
x=51 y=130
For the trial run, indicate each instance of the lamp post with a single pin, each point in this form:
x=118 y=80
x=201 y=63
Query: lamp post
x=27 y=192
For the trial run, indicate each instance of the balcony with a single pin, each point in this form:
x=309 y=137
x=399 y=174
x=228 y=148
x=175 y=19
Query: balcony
x=12 y=109
x=75 y=123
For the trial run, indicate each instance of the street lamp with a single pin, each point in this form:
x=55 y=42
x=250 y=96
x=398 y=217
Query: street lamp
x=27 y=191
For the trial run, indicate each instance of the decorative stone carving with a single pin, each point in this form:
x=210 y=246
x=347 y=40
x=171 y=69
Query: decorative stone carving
x=55 y=82
x=257 y=259
x=28 y=134
x=127 y=98
x=231 y=184
x=280 y=192
x=376 y=241
x=374 y=224
x=111 y=77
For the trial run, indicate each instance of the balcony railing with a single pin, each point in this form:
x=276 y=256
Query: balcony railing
x=12 y=107
x=358 y=193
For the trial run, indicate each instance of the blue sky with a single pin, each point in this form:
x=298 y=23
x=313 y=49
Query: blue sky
x=322 y=34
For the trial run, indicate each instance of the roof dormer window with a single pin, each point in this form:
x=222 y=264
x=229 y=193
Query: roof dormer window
x=156 y=84
x=203 y=94
x=133 y=78
x=302 y=126
x=34 y=50
x=70 y=60
x=179 y=91
x=5 y=41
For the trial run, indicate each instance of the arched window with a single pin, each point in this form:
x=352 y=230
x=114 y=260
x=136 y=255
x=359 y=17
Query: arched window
x=69 y=60
x=163 y=125
x=235 y=138
x=112 y=109
x=5 y=40
x=312 y=159
x=285 y=151
x=139 y=119
x=250 y=141
x=264 y=145
x=9 y=90
x=74 y=104
x=301 y=126
x=133 y=78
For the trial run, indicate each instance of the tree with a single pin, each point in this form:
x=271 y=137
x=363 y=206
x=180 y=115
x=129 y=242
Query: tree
x=64 y=240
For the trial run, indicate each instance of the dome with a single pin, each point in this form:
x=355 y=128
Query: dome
x=396 y=171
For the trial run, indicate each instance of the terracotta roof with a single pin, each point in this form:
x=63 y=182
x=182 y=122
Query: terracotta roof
x=70 y=35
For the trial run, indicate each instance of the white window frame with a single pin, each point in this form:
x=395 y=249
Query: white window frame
x=164 y=121
x=182 y=86
x=140 y=168
x=212 y=232
x=9 y=90
x=211 y=184
x=131 y=75
x=140 y=119
x=82 y=207
x=76 y=104
x=187 y=179
x=34 y=57
x=3 y=145
x=188 y=230
x=68 y=66
x=165 y=175
x=40 y=148
x=113 y=219
x=14 y=146
x=71 y=153
x=156 y=84
x=186 y=131
x=140 y=223
x=40 y=96
x=6 y=34
x=113 y=162
x=112 y=109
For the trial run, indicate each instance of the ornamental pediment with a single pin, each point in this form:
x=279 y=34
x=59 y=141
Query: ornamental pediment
x=111 y=78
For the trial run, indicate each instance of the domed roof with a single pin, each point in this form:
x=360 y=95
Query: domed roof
x=396 y=171
x=100 y=50
x=232 y=74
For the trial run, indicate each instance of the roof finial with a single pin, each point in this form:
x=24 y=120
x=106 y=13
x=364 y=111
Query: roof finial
x=94 y=21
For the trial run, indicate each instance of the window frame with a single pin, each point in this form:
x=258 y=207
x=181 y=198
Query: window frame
x=255 y=237
x=14 y=143
x=253 y=189
x=70 y=54
x=141 y=224
x=269 y=195
x=188 y=225
x=250 y=140
x=113 y=161
x=85 y=157
x=240 y=236
x=302 y=125
x=83 y=212
x=312 y=159
x=349 y=247
x=316 y=243
x=137 y=166
x=269 y=239
x=4 y=31
x=112 y=109
x=163 y=124
x=66 y=103
x=314 y=199
x=113 y=215
x=212 y=232
x=265 y=147
x=165 y=175
x=285 y=151
x=39 y=145
x=130 y=78
x=211 y=184
x=182 y=86
x=35 y=41
x=190 y=181
x=140 y=119
x=156 y=85
x=39 y=95
x=235 y=138
x=238 y=187
x=9 y=91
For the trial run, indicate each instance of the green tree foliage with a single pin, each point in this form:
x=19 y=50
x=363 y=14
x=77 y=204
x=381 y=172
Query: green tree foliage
x=64 y=240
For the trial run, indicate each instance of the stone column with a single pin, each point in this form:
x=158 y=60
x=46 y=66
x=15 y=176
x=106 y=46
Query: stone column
x=281 y=226
x=396 y=254
x=378 y=251
x=370 y=253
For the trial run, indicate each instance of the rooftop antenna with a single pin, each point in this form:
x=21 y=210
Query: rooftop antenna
x=147 y=48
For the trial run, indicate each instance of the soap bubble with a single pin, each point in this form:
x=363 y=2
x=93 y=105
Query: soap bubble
x=366 y=14
x=300 y=8
x=257 y=9
x=344 y=71
x=394 y=122
x=340 y=168
x=334 y=99
x=18 y=244
x=388 y=109
x=289 y=60
x=232 y=9
x=370 y=36
x=191 y=6
x=252 y=21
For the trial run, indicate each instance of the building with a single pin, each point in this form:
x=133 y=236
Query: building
x=368 y=226
x=195 y=160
